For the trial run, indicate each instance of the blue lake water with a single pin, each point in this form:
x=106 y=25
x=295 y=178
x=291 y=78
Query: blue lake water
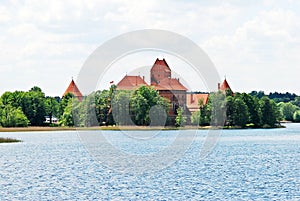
x=243 y=165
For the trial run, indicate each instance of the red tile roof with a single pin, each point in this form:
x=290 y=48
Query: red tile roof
x=224 y=86
x=161 y=63
x=72 y=88
x=192 y=101
x=131 y=82
x=169 y=84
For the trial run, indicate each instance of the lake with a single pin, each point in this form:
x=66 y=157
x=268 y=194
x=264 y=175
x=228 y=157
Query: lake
x=260 y=164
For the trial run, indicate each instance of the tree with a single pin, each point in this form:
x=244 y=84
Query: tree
x=51 y=107
x=217 y=103
x=120 y=108
x=87 y=110
x=241 y=114
x=64 y=102
x=201 y=117
x=296 y=116
x=252 y=103
x=259 y=94
x=67 y=118
x=297 y=101
x=34 y=106
x=270 y=112
x=288 y=110
x=195 y=118
x=180 y=120
x=12 y=117
x=142 y=100
x=102 y=106
x=230 y=111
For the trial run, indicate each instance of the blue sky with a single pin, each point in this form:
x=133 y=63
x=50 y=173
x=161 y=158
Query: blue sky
x=256 y=44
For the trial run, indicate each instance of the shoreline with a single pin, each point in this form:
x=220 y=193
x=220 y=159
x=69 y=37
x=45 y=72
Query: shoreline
x=117 y=128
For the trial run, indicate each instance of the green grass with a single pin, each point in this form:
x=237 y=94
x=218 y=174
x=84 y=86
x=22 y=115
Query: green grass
x=8 y=140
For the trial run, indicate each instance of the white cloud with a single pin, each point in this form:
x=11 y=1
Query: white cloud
x=259 y=49
x=245 y=40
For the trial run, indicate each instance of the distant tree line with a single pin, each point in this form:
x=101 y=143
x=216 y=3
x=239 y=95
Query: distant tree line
x=145 y=106
x=277 y=97
x=249 y=110
x=20 y=109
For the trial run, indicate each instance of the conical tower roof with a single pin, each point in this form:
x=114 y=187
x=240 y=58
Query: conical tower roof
x=72 y=88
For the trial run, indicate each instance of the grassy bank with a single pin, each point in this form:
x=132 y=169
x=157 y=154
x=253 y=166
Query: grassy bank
x=27 y=129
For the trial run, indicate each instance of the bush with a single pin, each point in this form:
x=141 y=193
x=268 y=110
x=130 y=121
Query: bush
x=13 y=117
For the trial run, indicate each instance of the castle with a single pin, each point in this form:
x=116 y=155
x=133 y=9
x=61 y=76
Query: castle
x=170 y=88
x=167 y=86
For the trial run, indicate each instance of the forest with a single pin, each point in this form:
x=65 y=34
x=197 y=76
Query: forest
x=114 y=107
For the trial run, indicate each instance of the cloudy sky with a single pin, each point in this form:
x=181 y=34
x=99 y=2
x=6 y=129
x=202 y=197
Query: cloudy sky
x=256 y=44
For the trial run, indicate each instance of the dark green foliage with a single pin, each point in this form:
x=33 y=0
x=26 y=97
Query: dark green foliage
x=51 y=107
x=241 y=113
x=259 y=94
x=296 y=116
x=277 y=97
x=103 y=105
x=32 y=104
x=270 y=112
x=34 y=107
x=282 y=97
x=297 y=101
x=142 y=100
x=252 y=103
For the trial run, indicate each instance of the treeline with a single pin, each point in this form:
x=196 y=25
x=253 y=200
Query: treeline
x=20 y=109
x=277 y=97
x=145 y=106
x=112 y=107
x=247 y=110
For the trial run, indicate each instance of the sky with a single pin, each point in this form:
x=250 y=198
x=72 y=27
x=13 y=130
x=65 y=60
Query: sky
x=255 y=44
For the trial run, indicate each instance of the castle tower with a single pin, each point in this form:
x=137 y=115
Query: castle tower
x=159 y=71
x=72 y=88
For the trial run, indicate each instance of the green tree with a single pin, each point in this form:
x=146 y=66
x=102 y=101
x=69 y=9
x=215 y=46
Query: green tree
x=12 y=117
x=218 y=108
x=64 y=102
x=34 y=106
x=180 y=119
x=230 y=110
x=87 y=110
x=253 y=105
x=120 y=108
x=195 y=118
x=51 y=107
x=296 y=116
x=288 y=110
x=270 y=112
x=142 y=100
x=102 y=107
x=201 y=117
x=297 y=101
x=67 y=118
x=241 y=114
